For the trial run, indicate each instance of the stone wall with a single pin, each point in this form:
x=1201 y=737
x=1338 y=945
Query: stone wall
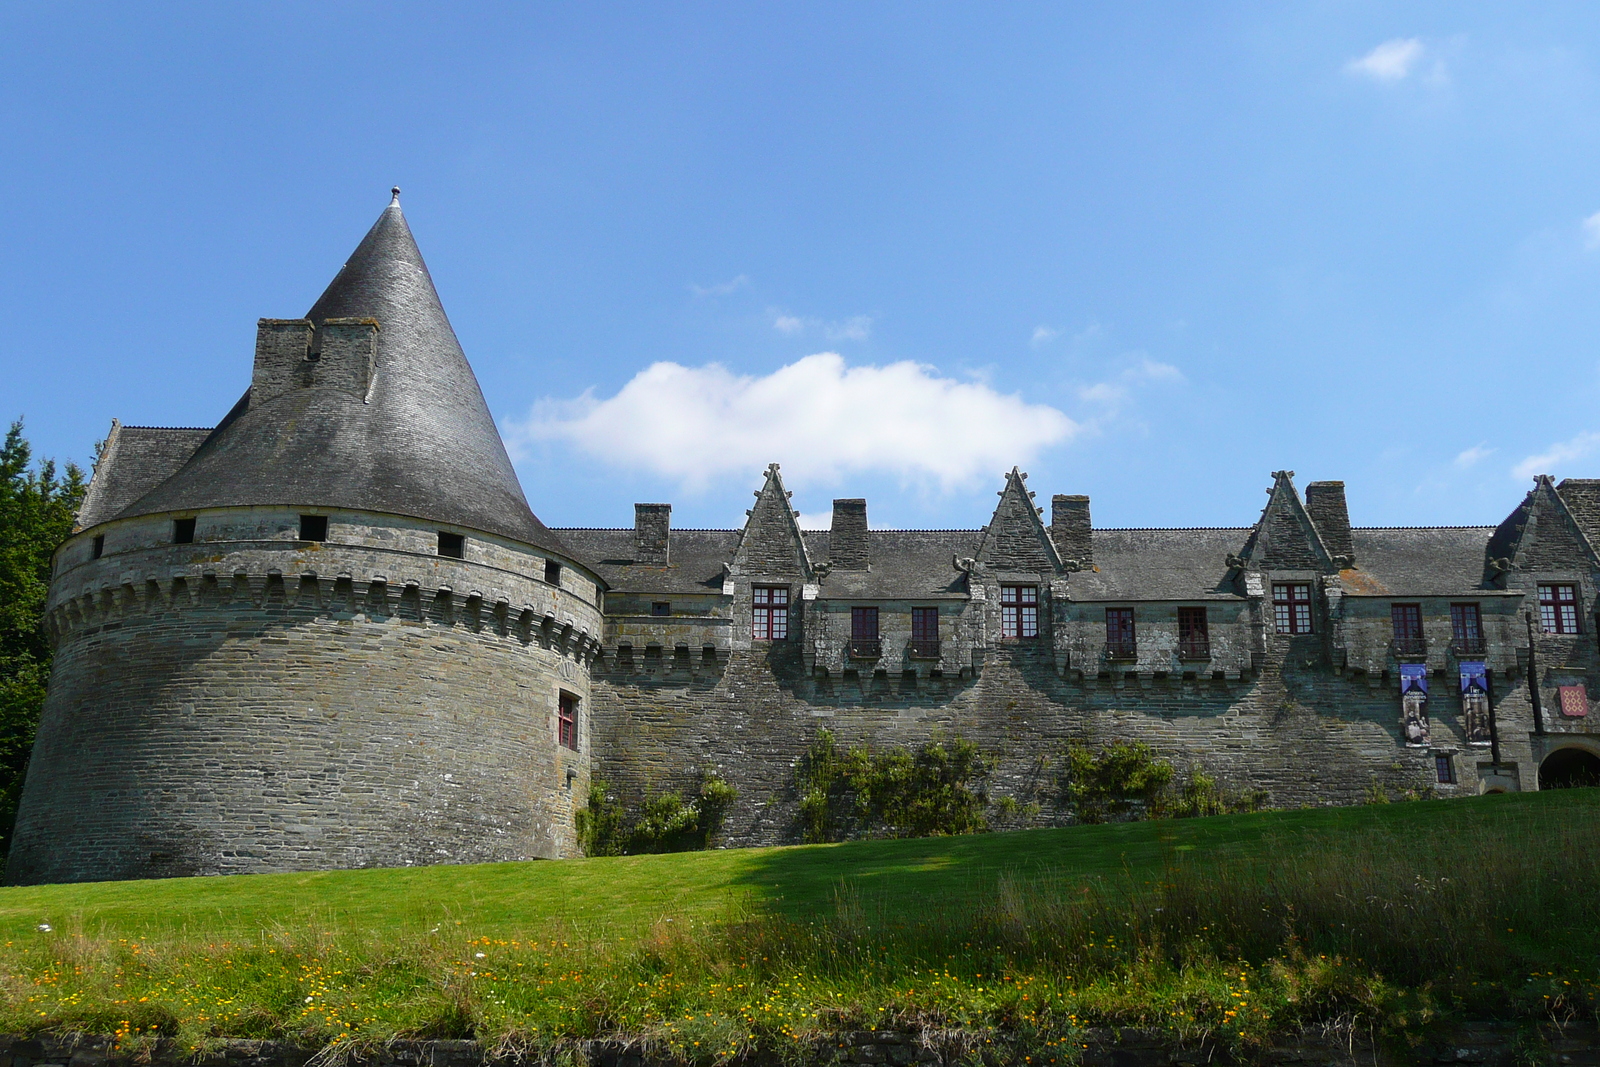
x=1291 y=726
x=245 y=705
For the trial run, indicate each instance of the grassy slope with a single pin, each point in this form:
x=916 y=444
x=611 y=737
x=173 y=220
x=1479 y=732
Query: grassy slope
x=623 y=897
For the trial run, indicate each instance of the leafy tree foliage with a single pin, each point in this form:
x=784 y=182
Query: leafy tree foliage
x=932 y=790
x=665 y=823
x=37 y=509
x=1127 y=780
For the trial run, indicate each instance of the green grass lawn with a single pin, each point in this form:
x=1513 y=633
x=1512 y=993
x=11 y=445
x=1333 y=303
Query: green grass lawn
x=624 y=896
x=1230 y=928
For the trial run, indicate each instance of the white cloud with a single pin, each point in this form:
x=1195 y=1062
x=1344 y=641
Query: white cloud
x=1591 y=231
x=855 y=328
x=1146 y=371
x=817 y=416
x=1565 y=452
x=1472 y=456
x=721 y=288
x=1391 y=61
x=1043 y=335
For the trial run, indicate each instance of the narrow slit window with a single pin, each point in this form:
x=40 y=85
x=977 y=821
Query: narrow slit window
x=452 y=545
x=183 y=531
x=313 y=527
x=567 y=721
x=99 y=545
x=552 y=572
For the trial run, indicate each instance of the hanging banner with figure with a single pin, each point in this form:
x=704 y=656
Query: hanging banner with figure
x=1475 y=703
x=1414 y=703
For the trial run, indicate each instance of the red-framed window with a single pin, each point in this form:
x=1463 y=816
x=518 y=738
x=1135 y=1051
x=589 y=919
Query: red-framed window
x=1466 y=628
x=924 y=624
x=864 y=624
x=770 y=620
x=1407 y=622
x=1119 y=633
x=1019 y=611
x=1558 y=609
x=567 y=721
x=1291 y=607
x=1194 y=636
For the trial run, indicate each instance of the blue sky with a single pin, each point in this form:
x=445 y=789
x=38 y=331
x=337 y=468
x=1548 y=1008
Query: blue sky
x=1150 y=252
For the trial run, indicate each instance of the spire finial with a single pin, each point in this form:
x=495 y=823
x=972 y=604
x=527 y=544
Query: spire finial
x=396 y=193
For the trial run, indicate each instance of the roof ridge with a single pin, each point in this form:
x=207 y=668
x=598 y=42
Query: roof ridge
x=1476 y=526
x=199 y=429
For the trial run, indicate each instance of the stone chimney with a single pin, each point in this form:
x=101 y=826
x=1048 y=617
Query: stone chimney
x=1325 y=504
x=652 y=529
x=283 y=352
x=849 y=547
x=345 y=352
x=1071 y=529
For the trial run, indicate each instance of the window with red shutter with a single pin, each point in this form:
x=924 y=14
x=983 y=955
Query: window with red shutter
x=567 y=721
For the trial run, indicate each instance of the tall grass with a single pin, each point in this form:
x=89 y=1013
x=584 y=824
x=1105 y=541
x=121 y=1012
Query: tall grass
x=1376 y=931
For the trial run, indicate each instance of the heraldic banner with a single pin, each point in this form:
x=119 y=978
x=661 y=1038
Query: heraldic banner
x=1475 y=703
x=1414 y=703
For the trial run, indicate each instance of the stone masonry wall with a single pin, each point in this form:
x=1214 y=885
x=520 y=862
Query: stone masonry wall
x=244 y=706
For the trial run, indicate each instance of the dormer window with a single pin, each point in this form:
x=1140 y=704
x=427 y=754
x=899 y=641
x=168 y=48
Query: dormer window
x=1558 y=609
x=183 y=531
x=1291 y=607
x=769 y=616
x=1019 y=611
x=452 y=545
x=313 y=527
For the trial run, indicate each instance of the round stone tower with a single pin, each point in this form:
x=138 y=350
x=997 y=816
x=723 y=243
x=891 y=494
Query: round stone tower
x=328 y=632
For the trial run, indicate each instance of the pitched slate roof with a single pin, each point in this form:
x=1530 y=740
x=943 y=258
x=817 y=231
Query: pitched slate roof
x=1160 y=565
x=422 y=444
x=906 y=564
x=135 y=460
x=695 y=559
x=1418 y=561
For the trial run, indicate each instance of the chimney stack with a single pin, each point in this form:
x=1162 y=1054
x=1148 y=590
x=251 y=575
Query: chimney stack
x=1071 y=529
x=1325 y=504
x=652 y=529
x=848 y=546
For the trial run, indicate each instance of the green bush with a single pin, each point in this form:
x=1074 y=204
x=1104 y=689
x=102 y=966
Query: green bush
x=665 y=822
x=1126 y=779
x=930 y=791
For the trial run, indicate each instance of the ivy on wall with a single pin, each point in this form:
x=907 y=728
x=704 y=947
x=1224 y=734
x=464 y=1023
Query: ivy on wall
x=666 y=822
x=929 y=791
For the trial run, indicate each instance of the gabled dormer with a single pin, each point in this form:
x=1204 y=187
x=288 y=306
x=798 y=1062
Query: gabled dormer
x=1284 y=538
x=1016 y=539
x=770 y=545
x=1542 y=534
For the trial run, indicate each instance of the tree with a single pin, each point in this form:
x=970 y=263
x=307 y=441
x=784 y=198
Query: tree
x=37 y=509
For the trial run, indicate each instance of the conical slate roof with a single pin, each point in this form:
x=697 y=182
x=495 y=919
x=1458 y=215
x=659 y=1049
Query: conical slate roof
x=421 y=443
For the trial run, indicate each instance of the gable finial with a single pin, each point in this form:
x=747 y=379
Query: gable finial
x=394 y=195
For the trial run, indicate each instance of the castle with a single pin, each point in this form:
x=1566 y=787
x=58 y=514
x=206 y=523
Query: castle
x=329 y=632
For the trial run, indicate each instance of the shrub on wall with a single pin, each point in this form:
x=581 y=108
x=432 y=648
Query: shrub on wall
x=929 y=791
x=665 y=822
